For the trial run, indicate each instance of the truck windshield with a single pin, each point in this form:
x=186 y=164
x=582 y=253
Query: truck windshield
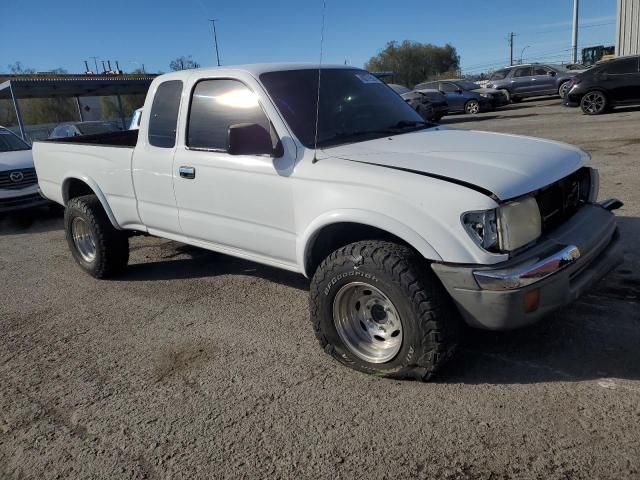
x=11 y=143
x=354 y=106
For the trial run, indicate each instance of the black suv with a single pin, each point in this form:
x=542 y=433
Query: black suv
x=534 y=80
x=609 y=84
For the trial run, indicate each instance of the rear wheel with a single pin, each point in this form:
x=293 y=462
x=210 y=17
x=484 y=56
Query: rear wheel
x=376 y=307
x=99 y=248
x=564 y=89
x=593 y=103
x=472 y=107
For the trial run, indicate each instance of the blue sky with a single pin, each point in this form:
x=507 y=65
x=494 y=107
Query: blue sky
x=44 y=34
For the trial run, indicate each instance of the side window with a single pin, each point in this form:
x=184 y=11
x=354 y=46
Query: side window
x=541 y=71
x=164 y=114
x=618 y=67
x=215 y=106
x=522 y=72
x=448 y=87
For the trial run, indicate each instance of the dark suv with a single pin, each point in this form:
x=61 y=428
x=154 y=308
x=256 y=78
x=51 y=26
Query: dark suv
x=609 y=84
x=521 y=81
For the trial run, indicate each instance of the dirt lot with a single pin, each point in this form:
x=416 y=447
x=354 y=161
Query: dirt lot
x=196 y=365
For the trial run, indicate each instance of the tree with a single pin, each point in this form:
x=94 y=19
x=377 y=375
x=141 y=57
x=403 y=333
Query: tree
x=183 y=63
x=18 y=69
x=414 y=62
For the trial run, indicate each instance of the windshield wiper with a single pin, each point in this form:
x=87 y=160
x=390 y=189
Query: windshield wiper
x=391 y=130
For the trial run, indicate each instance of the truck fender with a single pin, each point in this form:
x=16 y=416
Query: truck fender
x=96 y=190
x=364 y=217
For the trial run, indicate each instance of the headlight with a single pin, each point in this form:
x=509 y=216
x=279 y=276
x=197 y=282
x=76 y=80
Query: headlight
x=506 y=228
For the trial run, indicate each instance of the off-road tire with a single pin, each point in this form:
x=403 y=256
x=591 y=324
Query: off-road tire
x=431 y=326
x=111 y=245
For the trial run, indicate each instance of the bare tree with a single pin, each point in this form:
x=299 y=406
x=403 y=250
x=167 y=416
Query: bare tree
x=183 y=63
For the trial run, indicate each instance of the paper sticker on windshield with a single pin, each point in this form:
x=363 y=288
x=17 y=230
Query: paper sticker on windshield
x=367 y=78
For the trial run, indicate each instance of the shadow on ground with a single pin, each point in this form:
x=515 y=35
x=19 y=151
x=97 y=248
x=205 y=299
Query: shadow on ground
x=32 y=220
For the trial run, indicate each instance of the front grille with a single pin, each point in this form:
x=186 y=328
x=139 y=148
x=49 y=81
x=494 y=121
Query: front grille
x=561 y=200
x=17 y=179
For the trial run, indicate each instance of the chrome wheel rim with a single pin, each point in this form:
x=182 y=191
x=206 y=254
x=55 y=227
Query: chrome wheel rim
x=83 y=239
x=473 y=107
x=564 y=89
x=593 y=102
x=367 y=322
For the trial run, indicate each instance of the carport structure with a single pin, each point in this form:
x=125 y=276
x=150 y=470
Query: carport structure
x=20 y=87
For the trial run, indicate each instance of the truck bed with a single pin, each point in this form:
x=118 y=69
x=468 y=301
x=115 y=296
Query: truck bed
x=126 y=138
x=102 y=162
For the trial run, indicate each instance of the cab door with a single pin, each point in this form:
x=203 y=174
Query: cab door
x=543 y=80
x=622 y=80
x=153 y=161
x=521 y=81
x=455 y=98
x=241 y=204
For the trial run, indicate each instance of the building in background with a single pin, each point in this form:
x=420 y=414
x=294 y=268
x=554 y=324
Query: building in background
x=628 y=28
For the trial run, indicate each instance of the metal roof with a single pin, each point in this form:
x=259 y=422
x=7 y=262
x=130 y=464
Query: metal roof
x=44 y=86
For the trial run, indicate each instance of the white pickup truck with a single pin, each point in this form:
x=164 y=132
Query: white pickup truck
x=406 y=229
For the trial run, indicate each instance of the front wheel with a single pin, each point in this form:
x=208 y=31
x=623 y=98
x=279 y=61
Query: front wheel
x=99 y=248
x=472 y=107
x=593 y=103
x=377 y=308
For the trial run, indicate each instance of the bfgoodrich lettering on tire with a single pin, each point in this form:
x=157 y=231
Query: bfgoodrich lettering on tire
x=100 y=249
x=377 y=307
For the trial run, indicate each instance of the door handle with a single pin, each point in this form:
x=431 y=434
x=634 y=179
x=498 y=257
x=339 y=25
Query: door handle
x=187 y=172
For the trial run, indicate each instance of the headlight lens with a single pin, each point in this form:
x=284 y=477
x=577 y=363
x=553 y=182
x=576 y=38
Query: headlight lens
x=519 y=223
x=507 y=228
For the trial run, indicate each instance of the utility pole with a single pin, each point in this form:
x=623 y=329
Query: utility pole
x=574 y=43
x=215 y=38
x=511 y=35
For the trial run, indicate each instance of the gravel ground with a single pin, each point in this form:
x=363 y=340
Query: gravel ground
x=196 y=365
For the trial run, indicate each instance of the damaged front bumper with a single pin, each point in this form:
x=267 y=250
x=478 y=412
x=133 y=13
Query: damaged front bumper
x=552 y=274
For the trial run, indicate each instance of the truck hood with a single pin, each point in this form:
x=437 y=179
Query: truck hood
x=16 y=160
x=506 y=166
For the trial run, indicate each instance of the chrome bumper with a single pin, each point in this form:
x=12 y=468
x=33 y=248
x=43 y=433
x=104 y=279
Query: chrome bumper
x=535 y=269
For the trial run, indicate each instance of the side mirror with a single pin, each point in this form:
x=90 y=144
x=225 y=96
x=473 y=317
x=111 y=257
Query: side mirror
x=249 y=139
x=552 y=73
x=459 y=91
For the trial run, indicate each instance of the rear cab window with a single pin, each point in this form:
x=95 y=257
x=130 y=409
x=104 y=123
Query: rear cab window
x=163 y=120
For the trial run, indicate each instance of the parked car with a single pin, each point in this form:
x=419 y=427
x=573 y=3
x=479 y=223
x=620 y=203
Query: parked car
x=609 y=84
x=135 y=119
x=466 y=96
x=405 y=229
x=75 y=129
x=18 y=181
x=533 y=80
x=430 y=104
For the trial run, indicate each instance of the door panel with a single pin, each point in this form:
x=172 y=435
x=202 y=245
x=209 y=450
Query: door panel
x=521 y=81
x=455 y=98
x=542 y=82
x=242 y=202
x=153 y=161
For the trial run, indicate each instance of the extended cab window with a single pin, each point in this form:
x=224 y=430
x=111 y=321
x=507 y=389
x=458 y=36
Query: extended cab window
x=215 y=106
x=164 y=114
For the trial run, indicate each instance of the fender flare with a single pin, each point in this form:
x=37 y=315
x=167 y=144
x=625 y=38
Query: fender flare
x=93 y=185
x=364 y=217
